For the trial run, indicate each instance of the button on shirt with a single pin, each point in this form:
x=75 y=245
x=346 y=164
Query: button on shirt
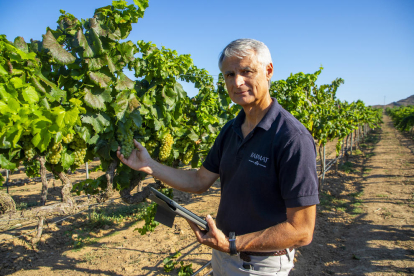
x=271 y=169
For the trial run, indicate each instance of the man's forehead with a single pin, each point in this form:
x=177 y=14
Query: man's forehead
x=247 y=62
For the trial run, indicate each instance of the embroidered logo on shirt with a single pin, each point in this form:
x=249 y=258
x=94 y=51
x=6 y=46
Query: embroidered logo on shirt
x=258 y=158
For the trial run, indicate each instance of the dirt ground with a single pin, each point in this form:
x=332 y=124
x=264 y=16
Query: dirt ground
x=365 y=220
x=364 y=224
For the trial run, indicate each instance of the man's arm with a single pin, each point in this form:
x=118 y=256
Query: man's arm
x=189 y=181
x=296 y=231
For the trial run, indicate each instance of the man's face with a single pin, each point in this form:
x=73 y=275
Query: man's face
x=246 y=80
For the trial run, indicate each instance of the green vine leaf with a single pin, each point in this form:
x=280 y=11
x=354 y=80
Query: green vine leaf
x=21 y=44
x=124 y=83
x=99 y=121
x=56 y=50
x=30 y=95
x=97 y=97
x=100 y=79
x=80 y=41
x=6 y=164
x=95 y=64
x=67 y=160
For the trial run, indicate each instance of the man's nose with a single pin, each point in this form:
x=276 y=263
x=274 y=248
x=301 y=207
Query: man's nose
x=239 y=80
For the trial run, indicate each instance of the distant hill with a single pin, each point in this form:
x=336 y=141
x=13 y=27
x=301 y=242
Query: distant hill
x=407 y=101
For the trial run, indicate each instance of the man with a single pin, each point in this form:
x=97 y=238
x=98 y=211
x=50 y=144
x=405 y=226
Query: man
x=265 y=159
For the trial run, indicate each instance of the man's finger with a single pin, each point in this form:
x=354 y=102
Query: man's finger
x=138 y=145
x=198 y=233
x=120 y=156
x=211 y=224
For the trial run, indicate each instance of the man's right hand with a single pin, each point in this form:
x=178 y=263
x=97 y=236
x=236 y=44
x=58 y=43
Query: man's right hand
x=139 y=160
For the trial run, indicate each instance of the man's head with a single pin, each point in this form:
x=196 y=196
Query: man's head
x=244 y=47
x=247 y=69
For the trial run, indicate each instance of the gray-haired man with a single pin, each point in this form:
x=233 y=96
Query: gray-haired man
x=265 y=159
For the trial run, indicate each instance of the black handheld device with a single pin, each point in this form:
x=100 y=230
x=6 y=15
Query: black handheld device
x=167 y=210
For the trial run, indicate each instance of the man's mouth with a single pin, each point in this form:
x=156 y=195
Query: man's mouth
x=241 y=92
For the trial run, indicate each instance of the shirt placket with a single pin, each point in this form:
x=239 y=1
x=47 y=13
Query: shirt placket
x=241 y=149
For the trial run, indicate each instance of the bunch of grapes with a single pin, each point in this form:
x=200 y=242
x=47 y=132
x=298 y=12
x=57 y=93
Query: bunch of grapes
x=151 y=146
x=127 y=142
x=54 y=153
x=166 y=147
x=188 y=156
x=29 y=150
x=32 y=168
x=68 y=138
x=141 y=131
x=79 y=146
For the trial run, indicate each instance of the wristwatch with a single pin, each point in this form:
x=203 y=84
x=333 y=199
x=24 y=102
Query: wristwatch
x=232 y=241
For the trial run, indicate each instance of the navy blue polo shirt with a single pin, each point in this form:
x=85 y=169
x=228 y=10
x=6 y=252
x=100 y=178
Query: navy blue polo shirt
x=271 y=169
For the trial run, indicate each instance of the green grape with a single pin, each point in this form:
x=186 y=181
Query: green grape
x=28 y=147
x=151 y=146
x=68 y=138
x=127 y=142
x=141 y=131
x=32 y=168
x=79 y=156
x=79 y=146
x=54 y=153
x=166 y=147
x=134 y=127
x=188 y=156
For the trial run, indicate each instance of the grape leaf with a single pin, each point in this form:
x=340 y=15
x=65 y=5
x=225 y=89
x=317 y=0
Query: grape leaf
x=97 y=97
x=99 y=121
x=21 y=44
x=124 y=82
x=80 y=41
x=42 y=139
x=30 y=95
x=3 y=71
x=56 y=50
x=100 y=79
x=6 y=164
x=67 y=160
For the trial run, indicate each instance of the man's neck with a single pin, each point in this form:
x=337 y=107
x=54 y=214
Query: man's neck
x=254 y=114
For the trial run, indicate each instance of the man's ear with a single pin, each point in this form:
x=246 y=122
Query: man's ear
x=269 y=71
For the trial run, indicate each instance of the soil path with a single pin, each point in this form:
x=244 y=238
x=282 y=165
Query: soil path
x=375 y=236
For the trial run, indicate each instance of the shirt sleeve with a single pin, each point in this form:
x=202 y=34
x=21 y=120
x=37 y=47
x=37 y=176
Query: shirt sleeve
x=297 y=172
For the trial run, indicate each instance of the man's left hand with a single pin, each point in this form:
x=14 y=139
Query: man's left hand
x=214 y=238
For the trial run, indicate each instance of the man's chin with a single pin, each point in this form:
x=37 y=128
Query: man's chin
x=243 y=100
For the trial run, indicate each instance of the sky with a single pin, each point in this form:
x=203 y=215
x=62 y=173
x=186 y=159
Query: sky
x=369 y=43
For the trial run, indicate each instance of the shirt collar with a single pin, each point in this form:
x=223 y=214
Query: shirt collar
x=266 y=121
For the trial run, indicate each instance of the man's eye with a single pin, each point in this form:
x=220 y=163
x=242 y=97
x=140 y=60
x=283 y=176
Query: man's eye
x=230 y=75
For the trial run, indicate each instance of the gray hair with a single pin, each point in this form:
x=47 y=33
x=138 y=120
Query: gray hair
x=242 y=47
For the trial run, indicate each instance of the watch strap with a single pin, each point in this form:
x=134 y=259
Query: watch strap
x=232 y=241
